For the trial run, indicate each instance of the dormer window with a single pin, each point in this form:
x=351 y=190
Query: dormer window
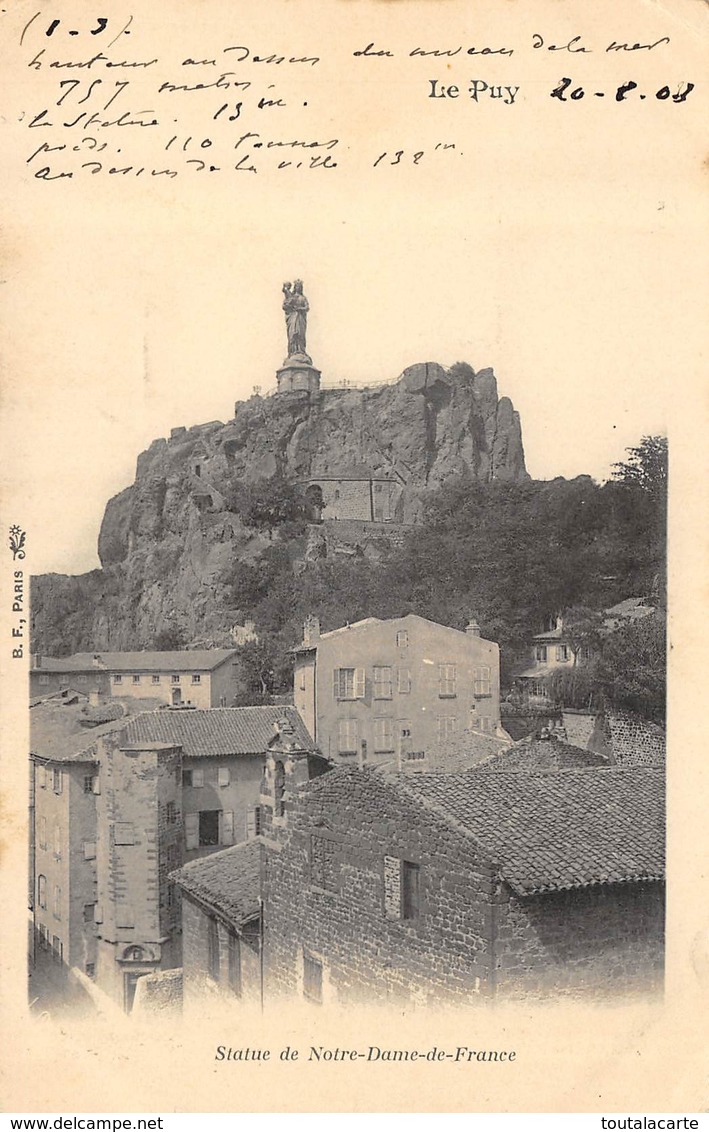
x=402 y=639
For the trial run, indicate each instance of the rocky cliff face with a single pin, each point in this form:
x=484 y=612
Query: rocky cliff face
x=167 y=542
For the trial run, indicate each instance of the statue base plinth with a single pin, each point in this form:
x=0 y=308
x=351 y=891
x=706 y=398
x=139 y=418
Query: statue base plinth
x=298 y=375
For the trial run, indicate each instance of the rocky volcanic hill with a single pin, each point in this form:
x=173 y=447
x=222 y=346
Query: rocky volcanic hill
x=168 y=541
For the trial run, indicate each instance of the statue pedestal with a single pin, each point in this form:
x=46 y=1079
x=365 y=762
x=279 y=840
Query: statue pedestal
x=298 y=375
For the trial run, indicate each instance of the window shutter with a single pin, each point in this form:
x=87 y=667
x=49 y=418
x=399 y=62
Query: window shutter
x=96 y=784
x=251 y=823
x=89 y=850
x=336 y=683
x=359 y=683
x=192 y=831
x=198 y=776
x=226 y=831
x=223 y=775
x=98 y=914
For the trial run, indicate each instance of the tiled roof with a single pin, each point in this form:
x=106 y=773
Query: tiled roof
x=543 y=754
x=187 y=660
x=548 y=831
x=229 y=880
x=57 y=733
x=218 y=731
x=460 y=752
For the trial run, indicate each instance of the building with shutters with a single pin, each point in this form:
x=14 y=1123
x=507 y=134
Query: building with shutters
x=203 y=678
x=117 y=806
x=381 y=690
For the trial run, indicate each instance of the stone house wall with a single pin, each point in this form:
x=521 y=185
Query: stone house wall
x=595 y=940
x=335 y=862
x=198 y=980
x=325 y=898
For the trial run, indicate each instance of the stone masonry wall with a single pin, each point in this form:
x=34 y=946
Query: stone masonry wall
x=595 y=940
x=325 y=894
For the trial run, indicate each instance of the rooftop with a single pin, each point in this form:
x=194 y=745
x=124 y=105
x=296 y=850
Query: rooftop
x=187 y=660
x=229 y=880
x=57 y=733
x=558 y=830
x=535 y=754
x=218 y=731
x=545 y=831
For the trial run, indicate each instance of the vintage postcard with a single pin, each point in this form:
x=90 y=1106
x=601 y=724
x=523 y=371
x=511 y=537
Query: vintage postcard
x=347 y=347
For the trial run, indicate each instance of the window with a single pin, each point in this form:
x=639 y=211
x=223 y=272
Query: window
x=175 y=678
x=485 y=723
x=136 y=679
x=562 y=652
x=155 y=679
x=44 y=678
x=402 y=639
x=208 y=827
x=415 y=755
x=197 y=776
x=234 y=963
x=57 y=781
x=481 y=677
x=446 y=680
x=383 y=734
x=42 y=891
x=57 y=902
x=213 y=949
x=348 y=683
x=83 y=678
x=223 y=776
x=89 y=848
x=347 y=736
x=43 y=833
x=89 y=910
x=382 y=682
x=403 y=676
x=312 y=978
x=57 y=948
x=90 y=970
x=117 y=678
x=253 y=822
x=540 y=652
x=124 y=833
x=88 y=784
x=410 y=890
x=446 y=725
x=57 y=843
x=402 y=889
x=196 y=678
x=186 y=777
x=41 y=774
x=170 y=813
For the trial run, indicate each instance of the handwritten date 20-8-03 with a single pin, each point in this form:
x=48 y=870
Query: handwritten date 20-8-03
x=565 y=90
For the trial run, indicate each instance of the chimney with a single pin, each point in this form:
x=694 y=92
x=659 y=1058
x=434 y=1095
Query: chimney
x=311 y=629
x=473 y=628
x=97 y=661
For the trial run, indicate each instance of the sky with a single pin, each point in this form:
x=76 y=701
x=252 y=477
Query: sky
x=558 y=251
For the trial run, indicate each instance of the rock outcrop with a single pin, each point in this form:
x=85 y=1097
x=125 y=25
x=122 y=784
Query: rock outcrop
x=169 y=540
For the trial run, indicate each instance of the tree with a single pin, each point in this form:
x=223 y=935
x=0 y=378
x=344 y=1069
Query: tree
x=583 y=627
x=631 y=671
x=647 y=466
x=169 y=639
